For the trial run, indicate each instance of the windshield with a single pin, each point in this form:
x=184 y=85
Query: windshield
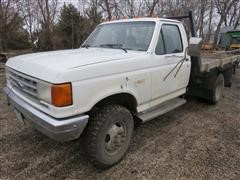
x=125 y=35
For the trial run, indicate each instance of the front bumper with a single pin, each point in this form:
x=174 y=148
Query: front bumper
x=58 y=129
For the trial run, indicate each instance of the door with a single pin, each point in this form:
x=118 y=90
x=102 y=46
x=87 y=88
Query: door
x=171 y=74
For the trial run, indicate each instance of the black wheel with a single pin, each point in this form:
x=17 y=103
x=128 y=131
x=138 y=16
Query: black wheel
x=108 y=135
x=217 y=90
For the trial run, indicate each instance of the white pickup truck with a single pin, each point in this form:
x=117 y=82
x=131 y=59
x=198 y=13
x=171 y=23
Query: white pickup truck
x=126 y=71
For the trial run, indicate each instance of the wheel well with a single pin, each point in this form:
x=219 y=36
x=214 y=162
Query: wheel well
x=123 y=99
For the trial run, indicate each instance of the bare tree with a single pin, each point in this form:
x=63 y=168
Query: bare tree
x=237 y=20
x=93 y=12
x=31 y=13
x=223 y=8
x=131 y=5
x=9 y=20
x=107 y=7
x=233 y=18
x=151 y=7
x=201 y=17
x=210 y=17
x=48 y=12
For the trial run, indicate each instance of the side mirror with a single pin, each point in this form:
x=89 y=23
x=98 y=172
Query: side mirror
x=195 y=45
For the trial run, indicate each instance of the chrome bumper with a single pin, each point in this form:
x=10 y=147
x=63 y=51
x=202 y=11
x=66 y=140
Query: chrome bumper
x=58 y=129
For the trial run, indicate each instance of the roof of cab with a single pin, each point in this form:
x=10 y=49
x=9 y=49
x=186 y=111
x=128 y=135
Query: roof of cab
x=149 y=19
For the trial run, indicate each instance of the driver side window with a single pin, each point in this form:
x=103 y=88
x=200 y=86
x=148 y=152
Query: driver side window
x=169 y=40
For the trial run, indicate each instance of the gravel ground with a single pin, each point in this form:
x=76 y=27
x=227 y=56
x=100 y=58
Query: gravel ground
x=195 y=141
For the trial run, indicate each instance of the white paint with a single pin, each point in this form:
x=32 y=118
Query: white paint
x=96 y=73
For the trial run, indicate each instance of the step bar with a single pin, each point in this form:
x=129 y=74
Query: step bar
x=161 y=109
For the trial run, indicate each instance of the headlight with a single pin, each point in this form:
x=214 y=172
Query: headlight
x=56 y=94
x=44 y=91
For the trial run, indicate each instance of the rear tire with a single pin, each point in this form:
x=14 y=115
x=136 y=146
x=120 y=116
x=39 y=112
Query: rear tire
x=217 y=91
x=108 y=135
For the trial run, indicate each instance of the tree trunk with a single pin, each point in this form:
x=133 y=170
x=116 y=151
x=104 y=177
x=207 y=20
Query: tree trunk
x=153 y=7
x=108 y=10
x=210 y=22
x=215 y=41
x=237 y=21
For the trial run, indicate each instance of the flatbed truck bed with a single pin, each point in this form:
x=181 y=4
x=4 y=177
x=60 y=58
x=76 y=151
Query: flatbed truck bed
x=206 y=68
x=218 y=59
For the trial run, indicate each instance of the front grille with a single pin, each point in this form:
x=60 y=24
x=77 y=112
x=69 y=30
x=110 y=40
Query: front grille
x=23 y=83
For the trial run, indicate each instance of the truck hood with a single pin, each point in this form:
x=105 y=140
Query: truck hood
x=48 y=65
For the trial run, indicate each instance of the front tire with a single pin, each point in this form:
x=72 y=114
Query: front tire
x=108 y=135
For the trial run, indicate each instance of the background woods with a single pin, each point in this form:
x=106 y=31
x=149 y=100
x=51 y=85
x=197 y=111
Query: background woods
x=58 y=24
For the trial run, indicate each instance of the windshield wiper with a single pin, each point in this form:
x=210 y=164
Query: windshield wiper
x=86 y=46
x=110 y=45
x=125 y=50
x=118 y=46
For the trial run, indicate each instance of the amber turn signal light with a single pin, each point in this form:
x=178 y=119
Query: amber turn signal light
x=61 y=94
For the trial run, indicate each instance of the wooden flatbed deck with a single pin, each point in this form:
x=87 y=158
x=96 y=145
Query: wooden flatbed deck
x=218 y=59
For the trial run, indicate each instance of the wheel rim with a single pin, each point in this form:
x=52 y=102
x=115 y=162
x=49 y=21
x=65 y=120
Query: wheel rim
x=115 y=138
x=218 y=91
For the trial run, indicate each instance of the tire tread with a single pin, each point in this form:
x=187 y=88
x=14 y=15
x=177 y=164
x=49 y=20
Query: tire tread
x=95 y=123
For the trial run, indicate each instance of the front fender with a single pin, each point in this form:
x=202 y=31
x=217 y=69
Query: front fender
x=89 y=93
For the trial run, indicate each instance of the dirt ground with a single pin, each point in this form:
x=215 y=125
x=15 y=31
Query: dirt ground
x=195 y=141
